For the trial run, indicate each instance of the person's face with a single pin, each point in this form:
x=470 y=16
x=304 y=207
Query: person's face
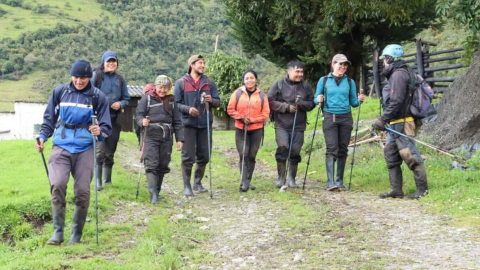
x=385 y=62
x=161 y=90
x=111 y=65
x=250 y=81
x=198 y=66
x=80 y=82
x=295 y=74
x=339 y=68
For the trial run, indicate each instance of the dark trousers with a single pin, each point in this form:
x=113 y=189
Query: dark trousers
x=158 y=154
x=252 y=144
x=60 y=164
x=337 y=129
x=106 y=149
x=398 y=149
x=283 y=137
x=195 y=146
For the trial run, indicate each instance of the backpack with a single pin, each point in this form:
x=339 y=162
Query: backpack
x=325 y=90
x=262 y=97
x=420 y=95
x=280 y=87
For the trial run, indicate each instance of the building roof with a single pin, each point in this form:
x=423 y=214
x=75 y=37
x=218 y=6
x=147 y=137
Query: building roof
x=135 y=91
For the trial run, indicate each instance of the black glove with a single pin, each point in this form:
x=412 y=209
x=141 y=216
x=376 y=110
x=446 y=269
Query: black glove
x=379 y=125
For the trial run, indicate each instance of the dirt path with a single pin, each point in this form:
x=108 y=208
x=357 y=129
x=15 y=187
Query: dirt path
x=353 y=230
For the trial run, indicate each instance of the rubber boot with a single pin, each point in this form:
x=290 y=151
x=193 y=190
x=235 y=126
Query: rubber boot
x=108 y=175
x=78 y=222
x=245 y=182
x=340 y=171
x=58 y=215
x=396 y=183
x=251 y=168
x=292 y=173
x=152 y=180
x=281 y=168
x=420 y=176
x=197 y=180
x=99 y=177
x=159 y=186
x=330 y=166
x=187 y=173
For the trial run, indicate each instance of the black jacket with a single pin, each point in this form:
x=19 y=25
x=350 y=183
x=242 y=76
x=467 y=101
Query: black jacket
x=395 y=93
x=279 y=99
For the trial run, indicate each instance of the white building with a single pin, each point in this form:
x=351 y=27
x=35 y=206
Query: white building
x=24 y=123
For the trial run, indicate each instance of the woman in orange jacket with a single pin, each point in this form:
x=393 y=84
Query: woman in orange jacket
x=248 y=105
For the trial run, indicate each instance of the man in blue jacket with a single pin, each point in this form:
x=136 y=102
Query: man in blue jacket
x=189 y=92
x=68 y=118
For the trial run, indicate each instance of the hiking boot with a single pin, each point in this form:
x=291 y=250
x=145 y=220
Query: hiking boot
x=99 y=177
x=78 y=222
x=420 y=176
x=159 y=186
x=58 y=215
x=396 y=183
x=340 y=171
x=187 y=173
x=108 y=175
x=251 y=168
x=152 y=181
x=245 y=182
x=330 y=166
x=292 y=173
x=197 y=180
x=281 y=168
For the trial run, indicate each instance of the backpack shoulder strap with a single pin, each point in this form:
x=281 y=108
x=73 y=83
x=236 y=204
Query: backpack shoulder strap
x=262 y=98
x=98 y=78
x=148 y=103
x=120 y=80
x=238 y=95
x=279 y=85
x=325 y=78
x=96 y=92
x=181 y=84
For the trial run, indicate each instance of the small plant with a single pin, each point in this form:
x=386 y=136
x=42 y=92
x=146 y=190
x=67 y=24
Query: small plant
x=22 y=231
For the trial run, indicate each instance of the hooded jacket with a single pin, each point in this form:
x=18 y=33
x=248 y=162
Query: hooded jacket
x=111 y=87
x=395 y=94
x=248 y=106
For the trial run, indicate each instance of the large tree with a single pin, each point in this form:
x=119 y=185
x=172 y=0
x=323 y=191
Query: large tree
x=315 y=30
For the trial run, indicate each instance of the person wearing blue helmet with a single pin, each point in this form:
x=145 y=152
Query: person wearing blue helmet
x=396 y=103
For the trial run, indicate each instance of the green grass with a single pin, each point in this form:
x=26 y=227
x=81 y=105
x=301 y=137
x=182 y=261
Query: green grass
x=19 y=20
x=22 y=90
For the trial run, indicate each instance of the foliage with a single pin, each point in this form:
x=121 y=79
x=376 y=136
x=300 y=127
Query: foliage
x=465 y=13
x=314 y=31
x=226 y=71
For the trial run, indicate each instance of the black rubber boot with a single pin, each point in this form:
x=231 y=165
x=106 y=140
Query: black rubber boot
x=152 y=180
x=187 y=174
x=245 y=182
x=58 y=215
x=197 y=180
x=396 y=183
x=159 y=186
x=99 y=177
x=420 y=176
x=281 y=168
x=340 y=171
x=78 y=222
x=108 y=174
x=251 y=168
x=330 y=166
x=292 y=173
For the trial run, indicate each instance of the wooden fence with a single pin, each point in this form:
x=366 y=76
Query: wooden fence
x=420 y=62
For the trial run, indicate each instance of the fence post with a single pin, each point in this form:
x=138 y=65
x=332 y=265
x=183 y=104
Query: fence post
x=419 y=57
x=376 y=74
x=364 y=76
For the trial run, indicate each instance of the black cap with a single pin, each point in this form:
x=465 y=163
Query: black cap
x=81 y=68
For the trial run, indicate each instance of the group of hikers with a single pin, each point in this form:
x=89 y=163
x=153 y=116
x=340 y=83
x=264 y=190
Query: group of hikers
x=87 y=108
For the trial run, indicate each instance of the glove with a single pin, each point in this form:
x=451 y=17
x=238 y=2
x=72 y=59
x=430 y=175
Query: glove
x=379 y=125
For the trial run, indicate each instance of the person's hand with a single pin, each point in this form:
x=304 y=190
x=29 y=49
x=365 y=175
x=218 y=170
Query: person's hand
x=246 y=120
x=320 y=99
x=179 y=145
x=361 y=97
x=207 y=98
x=116 y=105
x=292 y=109
x=94 y=129
x=39 y=145
x=145 y=122
x=193 y=111
x=379 y=125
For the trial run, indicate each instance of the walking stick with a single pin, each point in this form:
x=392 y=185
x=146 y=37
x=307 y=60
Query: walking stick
x=354 y=146
x=311 y=147
x=141 y=158
x=438 y=149
x=245 y=127
x=291 y=140
x=43 y=158
x=95 y=175
x=207 y=107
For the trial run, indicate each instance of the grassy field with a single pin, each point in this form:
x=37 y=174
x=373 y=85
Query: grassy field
x=22 y=90
x=19 y=20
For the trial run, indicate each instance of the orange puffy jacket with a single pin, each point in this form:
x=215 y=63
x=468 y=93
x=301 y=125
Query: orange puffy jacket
x=248 y=107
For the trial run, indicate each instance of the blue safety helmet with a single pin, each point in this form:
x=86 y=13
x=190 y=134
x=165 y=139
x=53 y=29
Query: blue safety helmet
x=392 y=50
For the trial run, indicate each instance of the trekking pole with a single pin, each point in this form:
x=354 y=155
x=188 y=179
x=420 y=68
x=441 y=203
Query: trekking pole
x=207 y=107
x=43 y=158
x=95 y=175
x=354 y=146
x=311 y=147
x=291 y=140
x=245 y=128
x=141 y=158
x=438 y=149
